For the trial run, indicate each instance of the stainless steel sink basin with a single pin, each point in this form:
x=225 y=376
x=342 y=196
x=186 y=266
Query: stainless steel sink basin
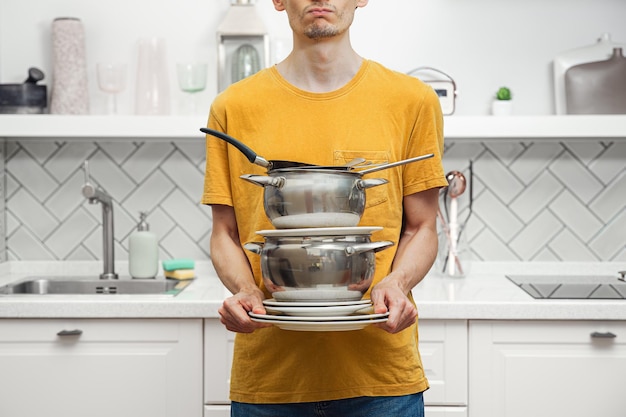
x=569 y=287
x=89 y=285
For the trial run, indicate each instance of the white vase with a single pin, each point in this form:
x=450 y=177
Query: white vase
x=502 y=107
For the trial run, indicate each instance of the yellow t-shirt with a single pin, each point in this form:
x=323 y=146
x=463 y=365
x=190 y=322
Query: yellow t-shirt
x=380 y=115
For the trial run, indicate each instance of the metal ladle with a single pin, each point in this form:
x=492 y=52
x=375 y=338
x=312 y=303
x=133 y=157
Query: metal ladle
x=456 y=186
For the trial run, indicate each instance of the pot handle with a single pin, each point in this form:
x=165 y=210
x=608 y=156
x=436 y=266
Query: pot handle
x=364 y=247
x=243 y=148
x=254 y=247
x=357 y=248
x=264 y=180
x=369 y=183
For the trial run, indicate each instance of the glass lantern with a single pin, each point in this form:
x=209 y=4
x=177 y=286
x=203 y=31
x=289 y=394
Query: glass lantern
x=242 y=42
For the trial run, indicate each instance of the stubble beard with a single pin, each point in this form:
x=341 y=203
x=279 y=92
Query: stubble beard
x=320 y=32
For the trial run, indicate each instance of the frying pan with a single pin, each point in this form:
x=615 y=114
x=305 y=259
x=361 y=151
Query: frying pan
x=252 y=155
x=275 y=165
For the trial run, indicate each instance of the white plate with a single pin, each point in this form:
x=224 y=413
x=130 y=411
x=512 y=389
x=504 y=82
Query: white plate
x=321 y=326
x=321 y=231
x=275 y=303
x=318 y=295
x=323 y=311
x=356 y=317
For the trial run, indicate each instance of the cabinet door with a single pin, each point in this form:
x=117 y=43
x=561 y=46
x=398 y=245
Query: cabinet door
x=445 y=411
x=547 y=369
x=218 y=358
x=217 y=411
x=100 y=368
x=443 y=347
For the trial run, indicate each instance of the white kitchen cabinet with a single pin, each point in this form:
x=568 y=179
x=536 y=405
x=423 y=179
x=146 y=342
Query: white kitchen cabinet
x=217 y=411
x=443 y=347
x=101 y=367
x=547 y=368
x=445 y=411
x=218 y=357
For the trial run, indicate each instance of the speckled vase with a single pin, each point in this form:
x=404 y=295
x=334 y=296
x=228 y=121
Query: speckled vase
x=70 y=94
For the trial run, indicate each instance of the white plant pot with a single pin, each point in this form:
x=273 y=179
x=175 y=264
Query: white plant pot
x=502 y=107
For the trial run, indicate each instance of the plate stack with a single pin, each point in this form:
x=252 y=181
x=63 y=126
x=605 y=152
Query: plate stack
x=319 y=316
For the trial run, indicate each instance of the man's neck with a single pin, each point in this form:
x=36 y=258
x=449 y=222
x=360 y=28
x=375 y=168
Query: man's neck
x=320 y=66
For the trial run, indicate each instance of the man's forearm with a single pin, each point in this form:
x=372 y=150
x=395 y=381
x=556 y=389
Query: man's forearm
x=231 y=264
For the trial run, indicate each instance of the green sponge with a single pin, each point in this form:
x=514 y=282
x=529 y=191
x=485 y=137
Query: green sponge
x=174 y=264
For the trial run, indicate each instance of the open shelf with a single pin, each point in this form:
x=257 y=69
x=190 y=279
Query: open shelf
x=172 y=128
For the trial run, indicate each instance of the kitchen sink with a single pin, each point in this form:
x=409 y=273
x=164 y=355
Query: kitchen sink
x=90 y=286
x=571 y=286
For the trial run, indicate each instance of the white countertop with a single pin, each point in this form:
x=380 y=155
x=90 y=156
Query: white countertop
x=484 y=294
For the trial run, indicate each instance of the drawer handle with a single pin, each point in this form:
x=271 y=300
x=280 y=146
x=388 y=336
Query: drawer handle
x=603 y=335
x=76 y=332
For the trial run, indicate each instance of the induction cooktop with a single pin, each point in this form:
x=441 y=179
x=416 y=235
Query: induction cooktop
x=571 y=286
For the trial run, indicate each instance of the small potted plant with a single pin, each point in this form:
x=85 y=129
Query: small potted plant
x=503 y=103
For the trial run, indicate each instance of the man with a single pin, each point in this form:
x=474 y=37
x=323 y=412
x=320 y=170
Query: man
x=324 y=104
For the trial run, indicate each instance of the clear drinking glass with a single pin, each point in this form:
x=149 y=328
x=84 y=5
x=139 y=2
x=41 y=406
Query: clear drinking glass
x=111 y=80
x=192 y=77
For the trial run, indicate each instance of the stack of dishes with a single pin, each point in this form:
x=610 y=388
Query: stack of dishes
x=318 y=277
x=319 y=315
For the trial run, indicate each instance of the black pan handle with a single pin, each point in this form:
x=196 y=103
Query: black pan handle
x=249 y=153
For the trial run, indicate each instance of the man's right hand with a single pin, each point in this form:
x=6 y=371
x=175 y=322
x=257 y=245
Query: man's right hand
x=234 y=311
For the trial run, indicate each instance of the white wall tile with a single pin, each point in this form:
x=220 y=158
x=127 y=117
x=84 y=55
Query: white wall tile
x=27 y=247
x=612 y=239
x=497 y=217
x=535 y=235
x=488 y=246
x=611 y=163
x=575 y=176
x=536 y=196
x=570 y=248
x=612 y=199
x=70 y=233
x=532 y=201
x=149 y=194
x=146 y=159
x=194 y=222
x=576 y=216
x=69 y=159
x=27 y=172
x=535 y=160
x=501 y=181
x=31 y=213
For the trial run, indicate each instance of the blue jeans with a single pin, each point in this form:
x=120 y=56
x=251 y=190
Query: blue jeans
x=405 y=406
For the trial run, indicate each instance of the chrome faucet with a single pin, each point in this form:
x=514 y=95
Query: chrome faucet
x=97 y=195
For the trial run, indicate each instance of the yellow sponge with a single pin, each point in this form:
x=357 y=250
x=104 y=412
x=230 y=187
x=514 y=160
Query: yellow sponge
x=180 y=274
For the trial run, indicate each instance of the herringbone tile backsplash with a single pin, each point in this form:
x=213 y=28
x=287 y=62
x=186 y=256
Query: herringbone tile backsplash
x=543 y=201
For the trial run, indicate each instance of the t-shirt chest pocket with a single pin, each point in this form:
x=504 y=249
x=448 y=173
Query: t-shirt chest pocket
x=375 y=195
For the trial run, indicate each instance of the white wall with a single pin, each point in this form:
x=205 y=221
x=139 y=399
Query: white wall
x=483 y=44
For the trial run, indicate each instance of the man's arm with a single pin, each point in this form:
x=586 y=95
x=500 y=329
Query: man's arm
x=233 y=269
x=417 y=250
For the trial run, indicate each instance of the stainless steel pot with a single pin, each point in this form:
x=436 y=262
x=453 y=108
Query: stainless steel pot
x=318 y=268
x=296 y=198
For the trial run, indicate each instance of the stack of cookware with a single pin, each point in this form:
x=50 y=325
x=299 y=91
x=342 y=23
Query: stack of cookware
x=317 y=263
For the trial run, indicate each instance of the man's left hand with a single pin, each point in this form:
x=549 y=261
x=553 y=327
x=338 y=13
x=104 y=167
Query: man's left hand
x=388 y=297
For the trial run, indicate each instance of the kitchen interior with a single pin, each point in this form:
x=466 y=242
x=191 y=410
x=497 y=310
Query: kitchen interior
x=543 y=196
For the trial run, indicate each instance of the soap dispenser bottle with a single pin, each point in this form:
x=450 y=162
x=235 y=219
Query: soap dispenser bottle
x=143 y=251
